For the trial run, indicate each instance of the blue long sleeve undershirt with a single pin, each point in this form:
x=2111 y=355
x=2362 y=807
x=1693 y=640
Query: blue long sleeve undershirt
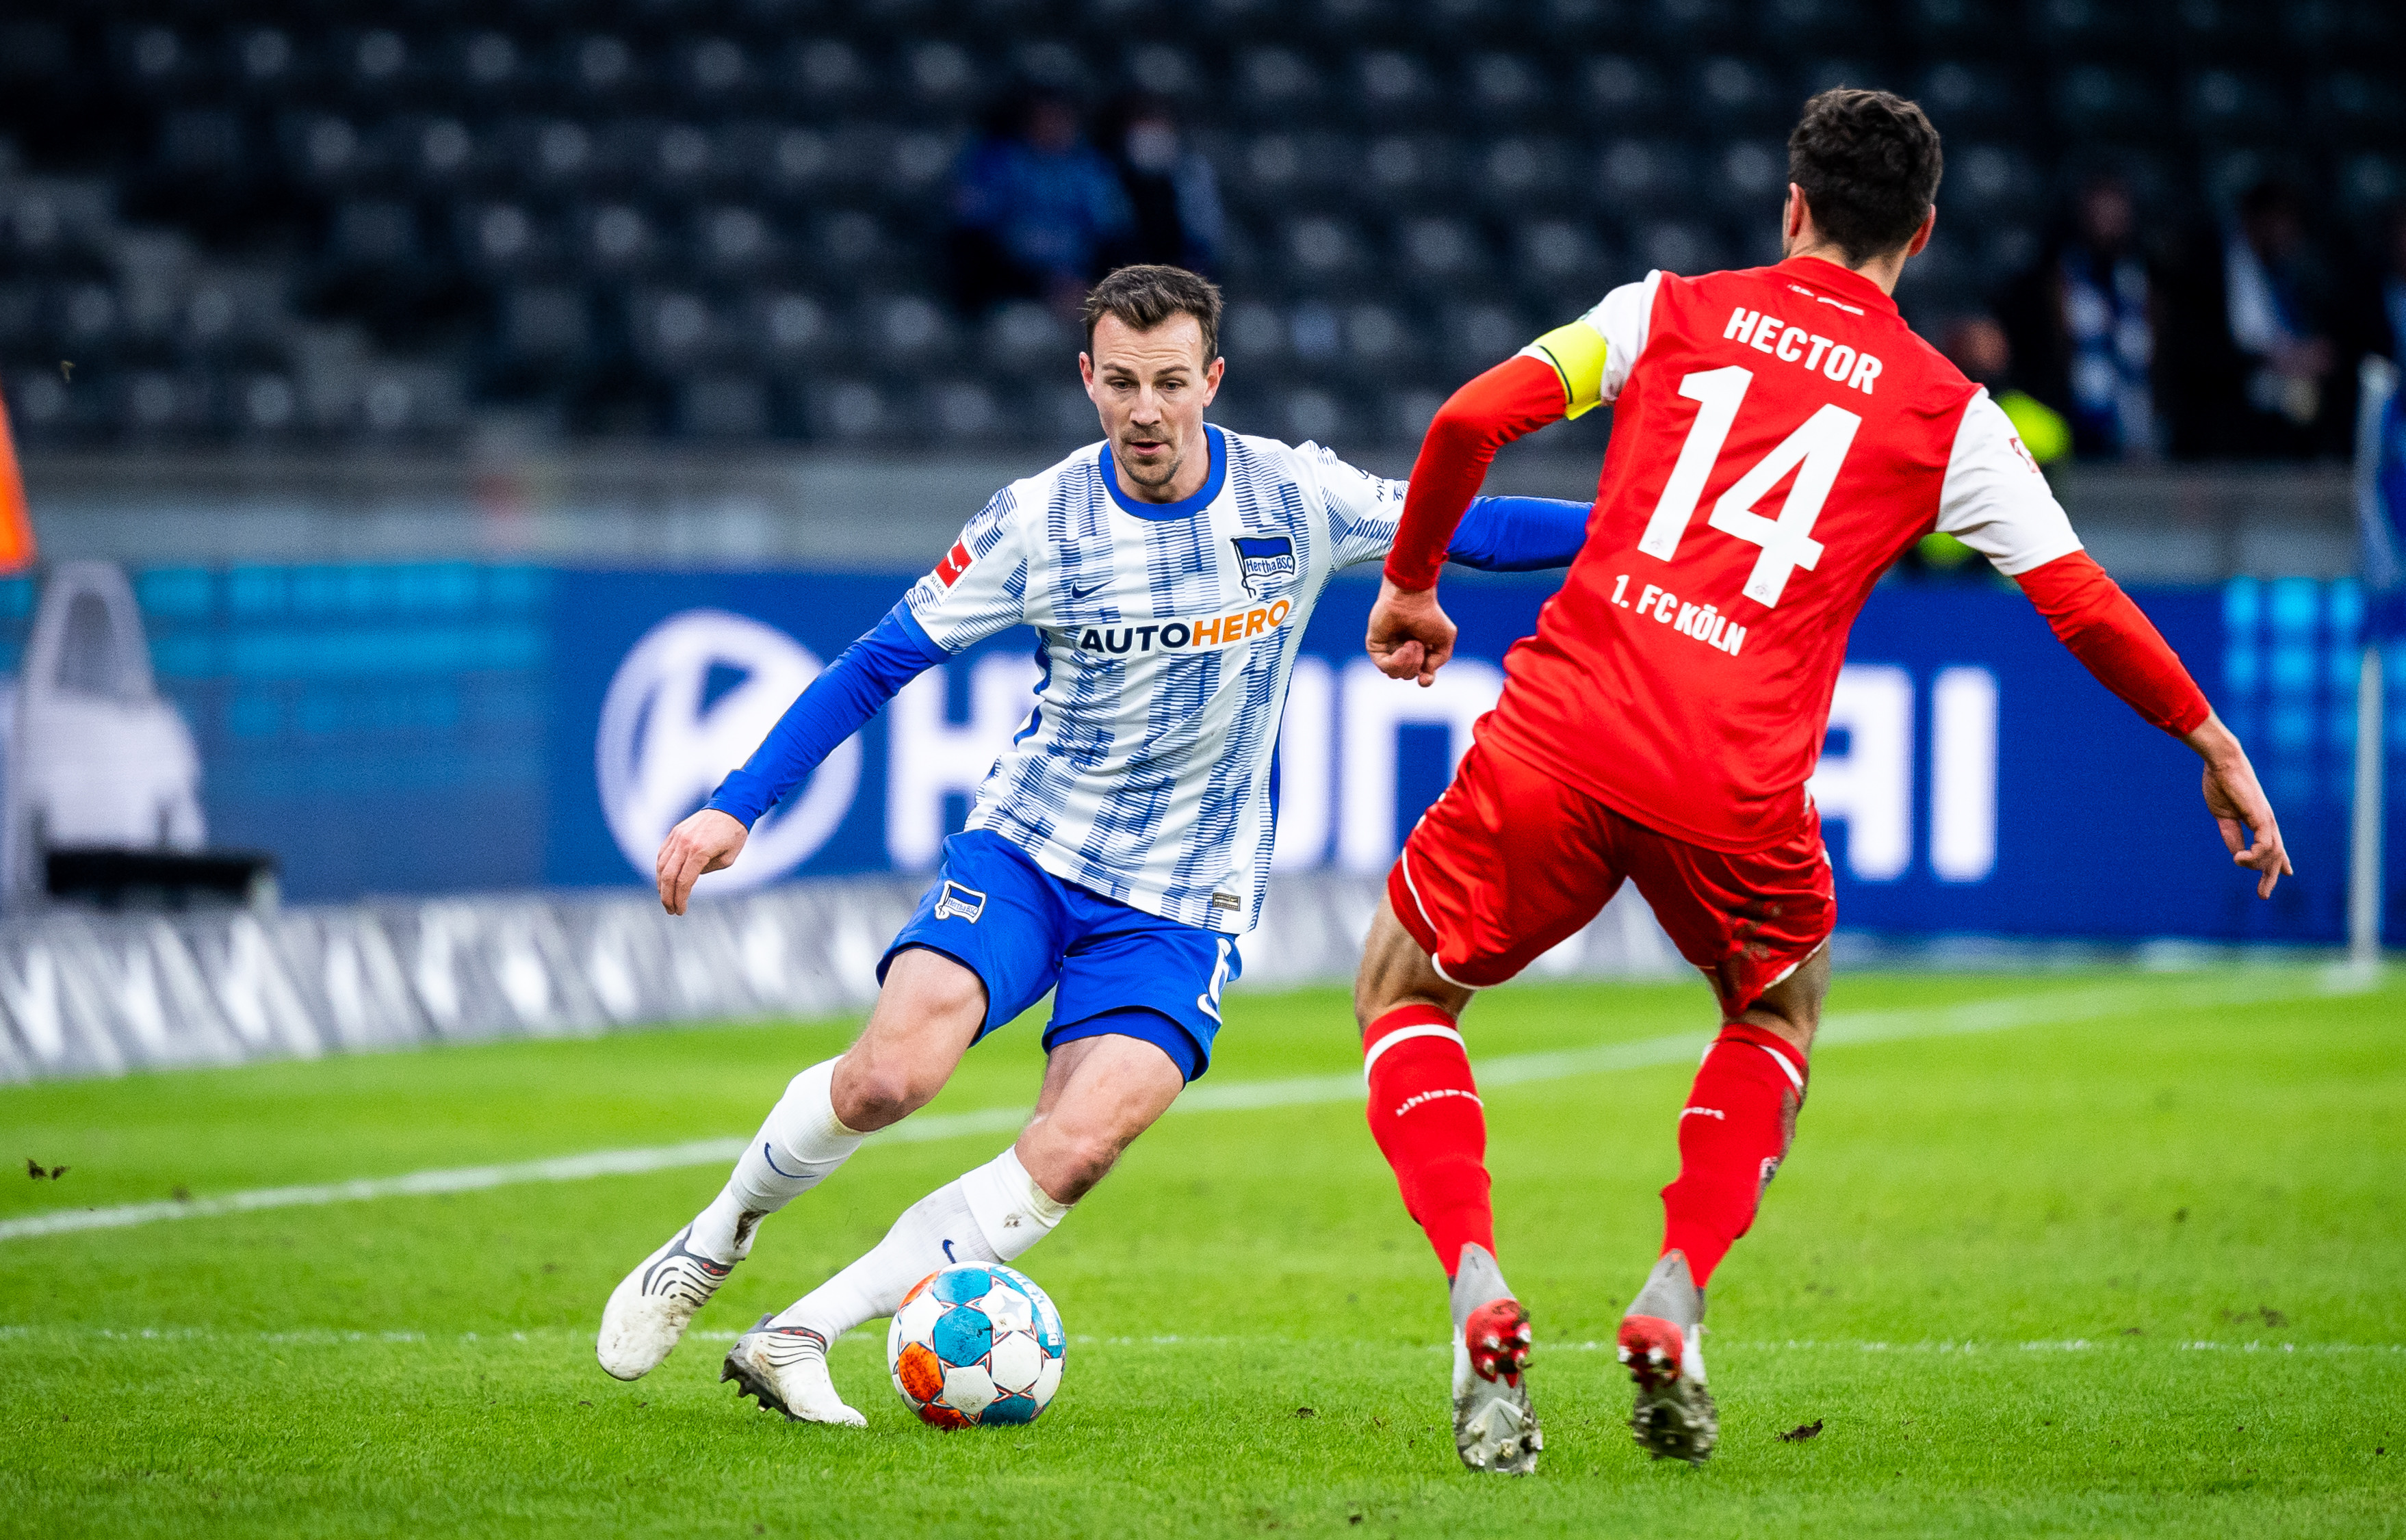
x=847 y=693
x=1519 y=534
x=1497 y=534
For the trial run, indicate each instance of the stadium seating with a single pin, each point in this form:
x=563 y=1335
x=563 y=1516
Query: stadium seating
x=265 y=221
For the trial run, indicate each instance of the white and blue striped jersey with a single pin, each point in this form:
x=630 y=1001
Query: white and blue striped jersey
x=1168 y=632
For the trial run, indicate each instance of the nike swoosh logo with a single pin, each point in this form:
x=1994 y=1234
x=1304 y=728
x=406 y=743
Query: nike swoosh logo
x=1089 y=590
x=948 y=1245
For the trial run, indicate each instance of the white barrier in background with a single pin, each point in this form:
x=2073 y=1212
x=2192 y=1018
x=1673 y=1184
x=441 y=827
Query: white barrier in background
x=86 y=994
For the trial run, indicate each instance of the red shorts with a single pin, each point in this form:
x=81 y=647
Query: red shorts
x=1511 y=863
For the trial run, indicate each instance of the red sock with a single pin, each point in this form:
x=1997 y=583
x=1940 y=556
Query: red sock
x=1424 y=1112
x=1734 y=1132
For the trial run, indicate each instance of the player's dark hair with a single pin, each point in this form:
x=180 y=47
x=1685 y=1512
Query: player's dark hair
x=1868 y=163
x=1146 y=295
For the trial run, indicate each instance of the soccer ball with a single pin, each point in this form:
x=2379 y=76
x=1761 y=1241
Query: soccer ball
x=974 y=1344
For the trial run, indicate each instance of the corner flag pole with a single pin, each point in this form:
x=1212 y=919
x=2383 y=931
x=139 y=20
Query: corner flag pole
x=16 y=523
x=2378 y=477
x=2364 y=856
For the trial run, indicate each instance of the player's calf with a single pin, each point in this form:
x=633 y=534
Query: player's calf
x=1733 y=1134
x=1424 y=1112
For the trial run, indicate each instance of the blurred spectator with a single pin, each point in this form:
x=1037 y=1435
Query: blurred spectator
x=1977 y=345
x=1036 y=211
x=2260 y=375
x=2386 y=331
x=1171 y=192
x=2082 y=326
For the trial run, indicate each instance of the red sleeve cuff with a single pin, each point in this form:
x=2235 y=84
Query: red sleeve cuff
x=2091 y=615
x=1518 y=396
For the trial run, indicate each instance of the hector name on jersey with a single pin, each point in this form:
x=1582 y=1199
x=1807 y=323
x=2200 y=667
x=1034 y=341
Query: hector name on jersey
x=1779 y=438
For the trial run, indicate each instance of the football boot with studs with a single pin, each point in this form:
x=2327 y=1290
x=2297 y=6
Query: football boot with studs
x=784 y=1368
x=1662 y=1344
x=1494 y=1429
x=651 y=1308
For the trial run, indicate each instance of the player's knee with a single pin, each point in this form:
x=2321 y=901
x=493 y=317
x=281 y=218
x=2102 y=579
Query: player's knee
x=1793 y=1021
x=1089 y=1146
x=1394 y=971
x=1792 y=1007
x=873 y=1089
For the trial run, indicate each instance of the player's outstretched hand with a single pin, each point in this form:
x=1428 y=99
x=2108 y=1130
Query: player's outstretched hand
x=1410 y=637
x=706 y=841
x=2237 y=802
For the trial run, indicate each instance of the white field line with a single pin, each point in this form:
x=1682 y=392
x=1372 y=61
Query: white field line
x=331 y=1338
x=1839 y=1030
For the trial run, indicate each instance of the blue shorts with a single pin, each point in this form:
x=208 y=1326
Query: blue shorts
x=1113 y=970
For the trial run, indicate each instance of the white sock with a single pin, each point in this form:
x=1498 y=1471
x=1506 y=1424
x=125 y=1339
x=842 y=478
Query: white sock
x=1012 y=1213
x=799 y=1145
x=993 y=1214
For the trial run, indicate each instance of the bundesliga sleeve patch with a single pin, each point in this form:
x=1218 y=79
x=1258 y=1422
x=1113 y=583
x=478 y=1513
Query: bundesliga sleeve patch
x=955 y=563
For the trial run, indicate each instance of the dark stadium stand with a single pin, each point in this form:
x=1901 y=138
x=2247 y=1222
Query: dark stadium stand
x=283 y=221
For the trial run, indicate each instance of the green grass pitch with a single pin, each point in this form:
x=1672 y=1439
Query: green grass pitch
x=2138 y=1271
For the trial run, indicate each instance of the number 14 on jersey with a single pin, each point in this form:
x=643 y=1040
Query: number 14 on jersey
x=1814 y=452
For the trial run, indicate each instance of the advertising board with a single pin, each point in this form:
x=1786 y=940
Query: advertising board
x=432 y=729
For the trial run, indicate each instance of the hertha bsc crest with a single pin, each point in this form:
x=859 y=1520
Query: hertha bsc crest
x=1263 y=559
x=958 y=902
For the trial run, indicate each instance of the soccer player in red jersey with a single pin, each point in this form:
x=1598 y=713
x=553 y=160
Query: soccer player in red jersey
x=1779 y=438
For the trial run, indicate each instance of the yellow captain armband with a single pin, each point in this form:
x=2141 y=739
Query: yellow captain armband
x=1577 y=352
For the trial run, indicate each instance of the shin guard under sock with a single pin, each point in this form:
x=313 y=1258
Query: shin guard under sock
x=800 y=1145
x=1425 y=1113
x=1734 y=1133
x=991 y=1214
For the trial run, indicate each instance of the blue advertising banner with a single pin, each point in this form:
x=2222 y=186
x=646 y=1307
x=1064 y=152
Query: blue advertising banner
x=1976 y=779
x=420 y=729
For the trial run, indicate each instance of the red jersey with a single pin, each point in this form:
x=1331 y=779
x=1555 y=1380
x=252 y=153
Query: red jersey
x=1779 y=438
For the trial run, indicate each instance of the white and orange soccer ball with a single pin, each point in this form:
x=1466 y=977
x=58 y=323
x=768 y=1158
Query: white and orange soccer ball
x=976 y=1344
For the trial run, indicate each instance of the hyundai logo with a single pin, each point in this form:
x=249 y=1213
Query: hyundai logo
x=667 y=741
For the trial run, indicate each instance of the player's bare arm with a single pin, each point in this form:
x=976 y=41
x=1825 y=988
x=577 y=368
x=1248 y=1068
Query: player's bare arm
x=1410 y=635
x=2239 y=805
x=709 y=840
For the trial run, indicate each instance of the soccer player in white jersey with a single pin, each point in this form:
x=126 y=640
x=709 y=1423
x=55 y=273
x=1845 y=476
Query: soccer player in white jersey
x=1113 y=854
